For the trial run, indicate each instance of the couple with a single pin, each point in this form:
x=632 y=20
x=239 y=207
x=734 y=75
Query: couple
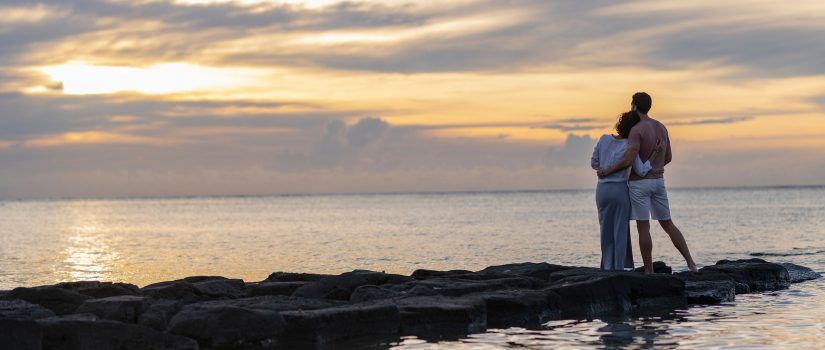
x=632 y=189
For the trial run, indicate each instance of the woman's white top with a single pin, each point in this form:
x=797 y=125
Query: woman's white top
x=609 y=151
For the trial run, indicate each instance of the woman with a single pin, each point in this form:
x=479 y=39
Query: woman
x=612 y=198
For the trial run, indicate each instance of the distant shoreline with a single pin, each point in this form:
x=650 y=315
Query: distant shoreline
x=423 y=193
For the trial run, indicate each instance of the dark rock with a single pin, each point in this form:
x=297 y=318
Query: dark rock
x=21 y=309
x=196 y=288
x=97 y=289
x=222 y=313
x=436 y=317
x=83 y=333
x=222 y=326
x=658 y=267
x=541 y=271
x=181 y=291
x=158 y=314
x=295 y=277
x=593 y=294
x=710 y=292
x=586 y=291
x=742 y=288
x=371 y=293
x=123 y=308
x=190 y=279
x=59 y=300
x=486 y=276
x=221 y=288
x=341 y=287
x=20 y=335
x=800 y=273
x=520 y=308
x=758 y=274
x=272 y=288
x=575 y=271
x=337 y=323
x=708 y=287
x=276 y=303
x=423 y=274
x=655 y=292
x=459 y=287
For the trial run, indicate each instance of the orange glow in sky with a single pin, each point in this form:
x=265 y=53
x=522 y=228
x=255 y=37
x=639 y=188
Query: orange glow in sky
x=267 y=90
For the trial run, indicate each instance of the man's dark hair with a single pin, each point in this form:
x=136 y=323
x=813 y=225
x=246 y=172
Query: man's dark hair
x=626 y=122
x=643 y=102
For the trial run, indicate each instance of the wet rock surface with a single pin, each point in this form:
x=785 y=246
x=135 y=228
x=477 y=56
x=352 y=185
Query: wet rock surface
x=299 y=310
x=759 y=275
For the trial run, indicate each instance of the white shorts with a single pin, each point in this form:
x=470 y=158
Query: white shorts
x=648 y=197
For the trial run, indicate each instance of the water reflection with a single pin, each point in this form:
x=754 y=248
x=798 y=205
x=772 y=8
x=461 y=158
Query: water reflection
x=87 y=255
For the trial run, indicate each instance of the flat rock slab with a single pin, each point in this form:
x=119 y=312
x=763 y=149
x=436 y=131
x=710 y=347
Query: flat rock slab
x=60 y=301
x=295 y=277
x=800 y=273
x=759 y=275
x=21 y=309
x=520 y=308
x=536 y=270
x=96 y=289
x=708 y=287
x=298 y=310
x=340 y=287
x=20 y=335
x=277 y=303
x=224 y=326
x=182 y=291
x=159 y=313
x=337 y=323
x=273 y=288
x=123 y=308
x=197 y=288
x=435 y=317
x=82 y=333
x=454 y=287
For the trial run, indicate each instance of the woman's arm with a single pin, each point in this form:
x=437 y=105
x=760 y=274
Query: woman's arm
x=594 y=159
x=642 y=168
x=656 y=150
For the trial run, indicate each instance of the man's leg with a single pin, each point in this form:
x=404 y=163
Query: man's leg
x=678 y=241
x=645 y=244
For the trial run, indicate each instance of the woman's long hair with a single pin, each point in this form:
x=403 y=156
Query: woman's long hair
x=626 y=122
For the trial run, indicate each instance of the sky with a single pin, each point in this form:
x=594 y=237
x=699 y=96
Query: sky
x=104 y=98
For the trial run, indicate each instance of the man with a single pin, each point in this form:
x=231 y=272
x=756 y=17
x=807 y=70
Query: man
x=648 y=194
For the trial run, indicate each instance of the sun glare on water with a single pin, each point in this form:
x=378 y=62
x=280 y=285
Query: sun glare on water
x=82 y=78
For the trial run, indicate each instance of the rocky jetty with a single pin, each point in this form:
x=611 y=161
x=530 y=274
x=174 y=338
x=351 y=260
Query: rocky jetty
x=300 y=310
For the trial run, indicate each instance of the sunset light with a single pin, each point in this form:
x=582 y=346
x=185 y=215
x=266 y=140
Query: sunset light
x=81 y=78
x=412 y=174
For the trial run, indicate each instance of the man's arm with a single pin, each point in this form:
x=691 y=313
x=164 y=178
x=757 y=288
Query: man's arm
x=668 y=153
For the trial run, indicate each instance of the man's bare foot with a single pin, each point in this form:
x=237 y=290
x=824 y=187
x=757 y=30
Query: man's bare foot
x=692 y=267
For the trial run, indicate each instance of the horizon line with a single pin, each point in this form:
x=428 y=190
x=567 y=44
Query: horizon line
x=381 y=193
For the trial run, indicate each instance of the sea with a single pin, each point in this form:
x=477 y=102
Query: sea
x=146 y=240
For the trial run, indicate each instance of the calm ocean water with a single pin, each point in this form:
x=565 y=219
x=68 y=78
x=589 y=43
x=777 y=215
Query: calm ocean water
x=148 y=240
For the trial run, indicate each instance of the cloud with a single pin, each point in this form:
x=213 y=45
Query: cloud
x=575 y=151
x=818 y=100
x=366 y=131
x=486 y=71
x=575 y=124
x=721 y=120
